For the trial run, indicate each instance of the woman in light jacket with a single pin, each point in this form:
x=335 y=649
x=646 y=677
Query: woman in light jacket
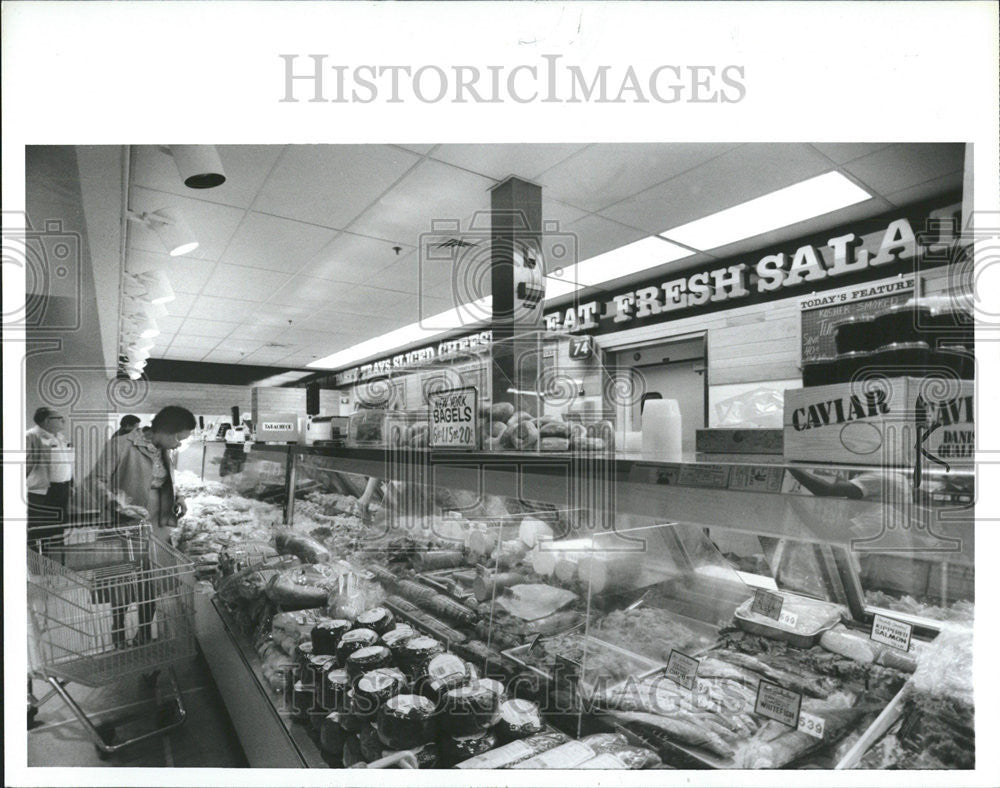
x=133 y=481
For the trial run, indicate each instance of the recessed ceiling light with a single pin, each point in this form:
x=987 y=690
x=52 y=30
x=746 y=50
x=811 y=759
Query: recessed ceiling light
x=796 y=203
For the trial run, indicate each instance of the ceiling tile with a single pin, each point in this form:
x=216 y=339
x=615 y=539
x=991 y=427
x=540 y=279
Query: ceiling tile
x=186 y=275
x=275 y=244
x=168 y=325
x=184 y=354
x=422 y=149
x=841 y=152
x=264 y=333
x=354 y=258
x=526 y=161
x=181 y=304
x=927 y=190
x=191 y=341
x=212 y=225
x=902 y=166
x=264 y=356
x=742 y=174
x=205 y=328
x=223 y=356
x=307 y=291
x=249 y=284
x=603 y=174
x=430 y=192
x=330 y=185
x=244 y=346
x=211 y=308
x=245 y=168
x=594 y=235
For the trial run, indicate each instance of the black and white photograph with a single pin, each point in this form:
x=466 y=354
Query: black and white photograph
x=398 y=432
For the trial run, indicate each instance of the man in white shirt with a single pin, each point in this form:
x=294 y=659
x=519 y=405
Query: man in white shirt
x=49 y=475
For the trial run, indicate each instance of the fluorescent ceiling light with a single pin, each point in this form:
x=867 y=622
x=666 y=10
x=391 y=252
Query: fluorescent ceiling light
x=468 y=315
x=804 y=200
x=632 y=258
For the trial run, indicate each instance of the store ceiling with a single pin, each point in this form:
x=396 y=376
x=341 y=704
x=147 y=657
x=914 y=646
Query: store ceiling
x=296 y=257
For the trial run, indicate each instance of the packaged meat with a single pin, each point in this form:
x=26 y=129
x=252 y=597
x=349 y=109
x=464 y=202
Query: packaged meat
x=396 y=637
x=307 y=586
x=801 y=622
x=531 y=601
x=417 y=652
x=375 y=688
x=406 y=721
x=304 y=547
x=515 y=752
x=352 y=641
x=326 y=634
x=378 y=619
x=518 y=720
x=303 y=654
x=367 y=659
x=626 y=757
x=294 y=625
x=317 y=668
x=336 y=685
x=442 y=673
x=460 y=748
x=369 y=743
x=353 y=719
x=331 y=734
x=303 y=700
x=571 y=754
x=468 y=710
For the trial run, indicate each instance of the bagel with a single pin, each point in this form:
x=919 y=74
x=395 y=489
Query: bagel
x=555 y=444
x=554 y=429
x=501 y=411
x=524 y=435
x=518 y=417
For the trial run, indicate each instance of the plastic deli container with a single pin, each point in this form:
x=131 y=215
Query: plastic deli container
x=910 y=359
x=855 y=335
x=819 y=372
x=849 y=365
x=802 y=620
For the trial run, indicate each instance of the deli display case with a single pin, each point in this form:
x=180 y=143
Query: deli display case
x=687 y=615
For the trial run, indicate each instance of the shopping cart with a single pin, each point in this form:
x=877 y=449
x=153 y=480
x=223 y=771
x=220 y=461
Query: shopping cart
x=107 y=604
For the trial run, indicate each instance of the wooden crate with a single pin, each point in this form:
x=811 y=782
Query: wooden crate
x=882 y=421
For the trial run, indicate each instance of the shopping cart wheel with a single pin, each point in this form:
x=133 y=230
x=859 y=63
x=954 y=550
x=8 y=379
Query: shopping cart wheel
x=108 y=735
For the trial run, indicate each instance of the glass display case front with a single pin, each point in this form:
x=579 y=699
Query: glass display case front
x=695 y=627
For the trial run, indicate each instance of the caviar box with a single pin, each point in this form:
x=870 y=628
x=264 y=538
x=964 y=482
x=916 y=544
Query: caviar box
x=883 y=421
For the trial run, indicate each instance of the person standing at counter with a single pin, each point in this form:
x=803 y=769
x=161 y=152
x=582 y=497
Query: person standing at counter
x=126 y=425
x=133 y=481
x=50 y=473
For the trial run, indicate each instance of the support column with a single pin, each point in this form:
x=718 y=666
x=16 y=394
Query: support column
x=518 y=291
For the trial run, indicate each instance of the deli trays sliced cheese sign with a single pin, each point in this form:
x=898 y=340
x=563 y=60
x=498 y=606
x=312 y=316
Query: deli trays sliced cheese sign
x=891 y=632
x=454 y=419
x=778 y=704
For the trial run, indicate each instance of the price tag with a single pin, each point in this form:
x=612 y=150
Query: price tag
x=567 y=670
x=767 y=604
x=891 y=632
x=682 y=669
x=788 y=619
x=454 y=419
x=778 y=704
x=811 y=724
